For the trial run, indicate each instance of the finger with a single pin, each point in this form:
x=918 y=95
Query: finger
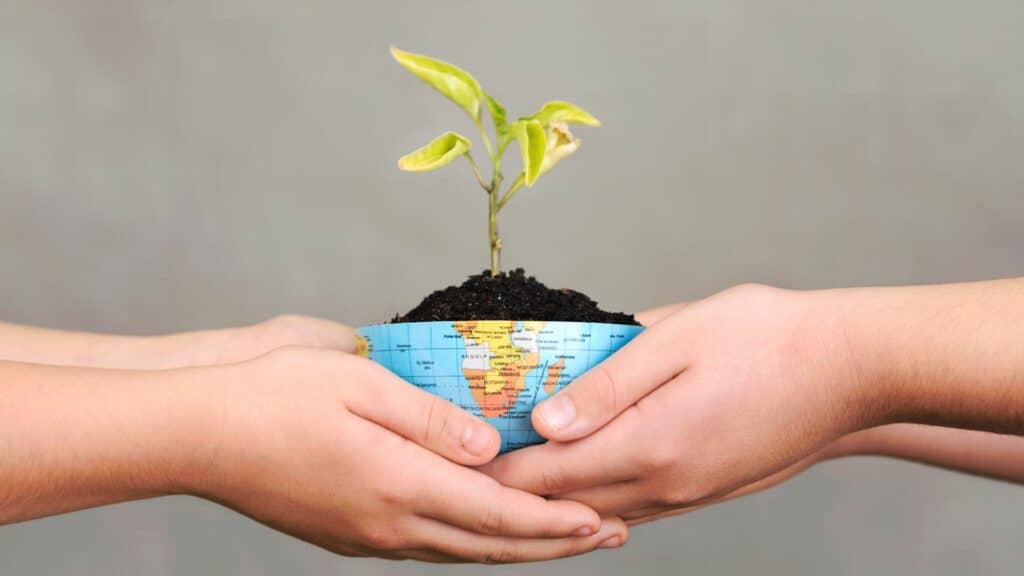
x=641 y=516
x=425 y=555
x=295 y=330
x=652 y=513
x=614 y=499
x=659 y=514
x=470 y=500
x=326 y=334
x=472 y=547
x=652 y=316
x=606 y=457
x=593 y=399
x=426 y=419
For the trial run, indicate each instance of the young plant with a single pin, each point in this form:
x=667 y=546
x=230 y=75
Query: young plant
x=544 y=137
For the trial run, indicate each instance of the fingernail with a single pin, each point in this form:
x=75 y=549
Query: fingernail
x=557 y=412
x=613 y=542
x=475 y=441
x=583 y=531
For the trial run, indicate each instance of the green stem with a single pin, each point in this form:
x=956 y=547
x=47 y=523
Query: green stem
x=516 y=185
x=476 y=171
x=492 y=228
x=483 y=135
x=492 y=220
x=494 y=240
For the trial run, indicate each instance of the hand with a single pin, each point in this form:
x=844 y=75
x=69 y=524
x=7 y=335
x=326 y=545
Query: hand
x=335 y=450
x=247 y=342
x=718 y=395
x=849 y=445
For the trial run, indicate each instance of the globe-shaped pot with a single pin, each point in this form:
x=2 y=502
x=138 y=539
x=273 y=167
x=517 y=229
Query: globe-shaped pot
x=496 y=369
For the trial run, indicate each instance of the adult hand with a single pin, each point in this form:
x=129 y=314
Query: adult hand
x=741 y=391
x=718 y=395
x=336 y=450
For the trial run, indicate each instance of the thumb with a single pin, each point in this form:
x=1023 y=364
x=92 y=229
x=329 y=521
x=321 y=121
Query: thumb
x=601 y=394
x=419 y=416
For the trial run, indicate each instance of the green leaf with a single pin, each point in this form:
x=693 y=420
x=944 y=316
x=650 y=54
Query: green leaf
x=532 y=144
x=558 y=111
x=455 y=83
x=440 y=152
x=497 y=113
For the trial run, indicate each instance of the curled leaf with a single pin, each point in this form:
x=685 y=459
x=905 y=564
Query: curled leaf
x=455 y=83
x=440 y=152
x=558 y=111
x=532 y=145
x=560 y=145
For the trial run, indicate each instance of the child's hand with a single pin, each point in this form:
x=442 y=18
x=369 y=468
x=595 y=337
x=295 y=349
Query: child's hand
x=336 y=450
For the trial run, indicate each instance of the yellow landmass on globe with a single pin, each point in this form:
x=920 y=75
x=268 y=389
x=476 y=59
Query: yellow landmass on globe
x=498 y=358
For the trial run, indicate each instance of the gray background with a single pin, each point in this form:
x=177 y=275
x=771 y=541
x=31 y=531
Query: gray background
x=168 y=166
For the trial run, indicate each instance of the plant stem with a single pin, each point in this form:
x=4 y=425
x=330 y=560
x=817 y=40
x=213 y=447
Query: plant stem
x=483 y=135
x=516 y=185
x=492 y=228
x=492 y=199
x=492 y=220
x=476 y=171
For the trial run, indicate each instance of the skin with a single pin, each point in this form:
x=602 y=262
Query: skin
x=736 y=393
x=718 y=399
x=296 y=438
x=199 y=348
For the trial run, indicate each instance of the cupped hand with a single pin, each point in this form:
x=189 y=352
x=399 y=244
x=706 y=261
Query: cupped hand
x=715 y=399
x=337 y=451
x=248 y=342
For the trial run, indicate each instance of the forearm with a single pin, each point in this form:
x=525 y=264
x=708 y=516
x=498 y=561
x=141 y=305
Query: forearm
x=998 y=456
x=949 y=355
x=63 y=348
x=73 y=438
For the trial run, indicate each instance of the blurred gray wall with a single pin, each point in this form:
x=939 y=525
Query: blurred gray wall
x=177 y=165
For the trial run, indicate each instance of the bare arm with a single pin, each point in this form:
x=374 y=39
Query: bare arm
x=739 y=391
x=297 y=439
x=948 y=355
x=72 y=438
x=997 y=456
x=65 y=348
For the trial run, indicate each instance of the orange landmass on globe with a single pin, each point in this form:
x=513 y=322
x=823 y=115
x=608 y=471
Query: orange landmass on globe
x=554 y=373
x=496 y=367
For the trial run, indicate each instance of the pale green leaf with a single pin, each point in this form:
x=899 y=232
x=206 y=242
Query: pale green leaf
x=532 y=145
x=440 y=152
x=455 y=83
x=558 y=111
x=497 y=113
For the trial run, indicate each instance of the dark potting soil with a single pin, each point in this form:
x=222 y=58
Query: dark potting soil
x=510 y=296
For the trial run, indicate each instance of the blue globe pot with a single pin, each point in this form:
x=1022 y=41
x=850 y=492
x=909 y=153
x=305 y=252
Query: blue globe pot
x=496 y=369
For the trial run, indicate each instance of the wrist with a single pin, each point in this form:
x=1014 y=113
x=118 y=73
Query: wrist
x=847 y=367
x=877 y=328
x=867 y=442
x=194 y=436
x=199 y=348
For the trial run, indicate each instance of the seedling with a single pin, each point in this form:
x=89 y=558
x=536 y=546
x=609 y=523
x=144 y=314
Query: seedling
x=544 y=137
